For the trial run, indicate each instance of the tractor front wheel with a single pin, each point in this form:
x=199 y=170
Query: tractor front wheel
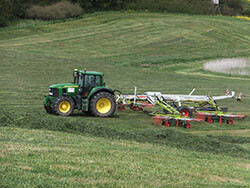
x=64 y=106
x=102 y=104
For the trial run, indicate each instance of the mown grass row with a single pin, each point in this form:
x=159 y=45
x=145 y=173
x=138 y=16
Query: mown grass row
x=171 y=136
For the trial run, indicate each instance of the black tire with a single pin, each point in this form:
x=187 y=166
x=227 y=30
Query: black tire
x=185 y=111
x=102 y=104
x=48 y=109
x=63 y=106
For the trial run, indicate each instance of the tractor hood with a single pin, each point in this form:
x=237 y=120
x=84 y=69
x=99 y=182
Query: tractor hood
x=64 y=86
x=57 y=90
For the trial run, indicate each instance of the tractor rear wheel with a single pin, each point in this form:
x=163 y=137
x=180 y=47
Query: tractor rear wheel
x=64 y=106
x=102 y=104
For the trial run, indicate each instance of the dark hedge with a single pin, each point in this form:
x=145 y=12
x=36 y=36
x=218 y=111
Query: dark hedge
x=10 y=9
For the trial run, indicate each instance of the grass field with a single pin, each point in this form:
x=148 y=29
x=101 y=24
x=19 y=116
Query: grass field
x=53 y=159
x=153 y=51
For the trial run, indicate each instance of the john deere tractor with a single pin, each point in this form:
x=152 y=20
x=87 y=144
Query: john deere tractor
x=87 y=93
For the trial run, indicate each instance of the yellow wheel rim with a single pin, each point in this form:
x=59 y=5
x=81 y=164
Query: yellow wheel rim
x=64 y=106
x=103 y=105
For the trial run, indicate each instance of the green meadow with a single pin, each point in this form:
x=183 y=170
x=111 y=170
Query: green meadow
x=153 y=51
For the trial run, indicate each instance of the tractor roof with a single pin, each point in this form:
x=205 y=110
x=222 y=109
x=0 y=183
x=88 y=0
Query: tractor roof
x=90 y=72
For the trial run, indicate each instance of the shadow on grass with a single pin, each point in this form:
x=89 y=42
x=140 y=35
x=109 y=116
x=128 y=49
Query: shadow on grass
x=83 y=114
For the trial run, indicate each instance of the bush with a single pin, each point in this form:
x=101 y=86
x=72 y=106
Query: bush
x=5 y=12
x=232 y=7
x=60 y=10
x=246 y=12
x=246 y=8
x=92 y=5
x=173 y=6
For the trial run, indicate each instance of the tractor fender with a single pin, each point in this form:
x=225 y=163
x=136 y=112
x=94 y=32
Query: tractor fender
x=108 y=90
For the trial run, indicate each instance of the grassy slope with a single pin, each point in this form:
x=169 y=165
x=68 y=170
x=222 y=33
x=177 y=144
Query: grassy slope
x=52 y=159
x=162 y=52
x=129 y=45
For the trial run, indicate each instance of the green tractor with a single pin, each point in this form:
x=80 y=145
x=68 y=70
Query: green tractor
x=87 y=93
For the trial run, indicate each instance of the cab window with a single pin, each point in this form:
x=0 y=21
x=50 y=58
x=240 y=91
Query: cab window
x=97 y=80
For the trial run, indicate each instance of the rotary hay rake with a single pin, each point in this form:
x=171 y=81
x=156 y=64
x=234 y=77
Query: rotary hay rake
x=134 y=102
x=220 y=117
x=173 y=118
x=180 y=110
x=216 y=114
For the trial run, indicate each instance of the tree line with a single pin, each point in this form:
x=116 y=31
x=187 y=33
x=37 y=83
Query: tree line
x=52 y=9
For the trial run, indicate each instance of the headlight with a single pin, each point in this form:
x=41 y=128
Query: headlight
x=54 y=92
x=50 y=92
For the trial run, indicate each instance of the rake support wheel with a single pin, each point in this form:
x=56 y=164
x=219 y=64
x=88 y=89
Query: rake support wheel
x=230 y=121
x=185 y=111
x=188 y=125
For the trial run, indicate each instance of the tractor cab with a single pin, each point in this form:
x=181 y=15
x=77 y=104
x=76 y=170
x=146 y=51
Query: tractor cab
x=87 y=80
